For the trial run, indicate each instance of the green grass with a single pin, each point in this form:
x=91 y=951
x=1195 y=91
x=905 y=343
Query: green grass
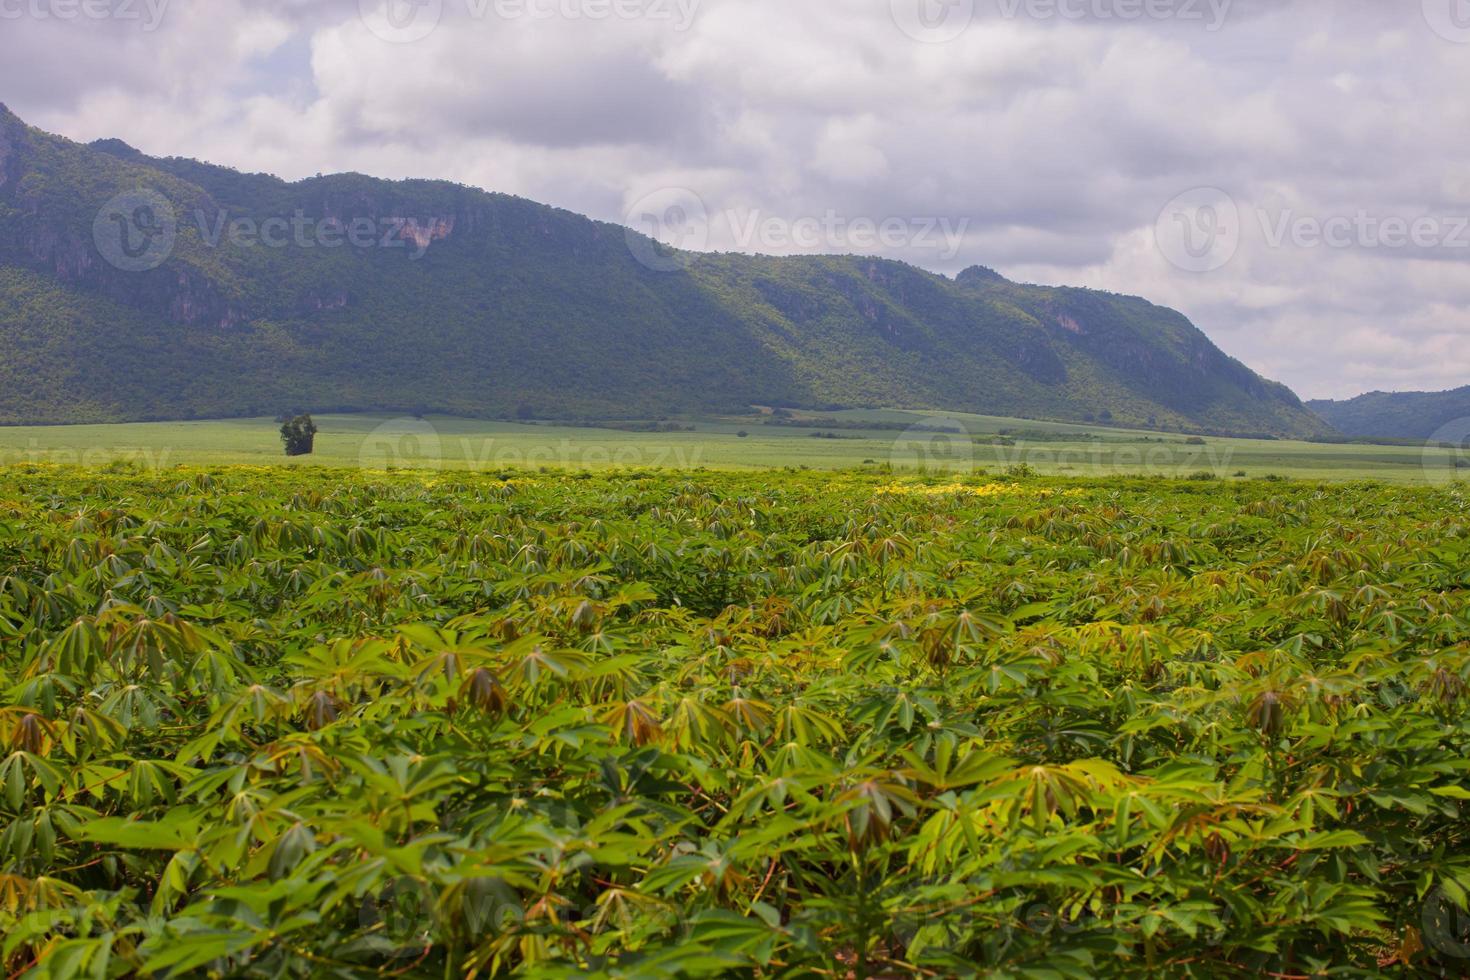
x=378 y=442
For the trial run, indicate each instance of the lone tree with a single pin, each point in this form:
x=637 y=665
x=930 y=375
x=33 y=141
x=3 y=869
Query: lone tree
x=299 y=435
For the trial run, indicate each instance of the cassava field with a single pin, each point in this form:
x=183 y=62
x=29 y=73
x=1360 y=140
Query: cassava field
x=301 y=722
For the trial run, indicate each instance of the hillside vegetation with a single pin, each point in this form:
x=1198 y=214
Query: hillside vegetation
x=499 y=307
x=1443 y=415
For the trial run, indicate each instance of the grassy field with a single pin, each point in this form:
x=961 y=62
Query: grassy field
x=988 y=444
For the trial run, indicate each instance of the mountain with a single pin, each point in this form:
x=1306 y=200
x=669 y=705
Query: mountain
x=135 y=288
x=1400 y=414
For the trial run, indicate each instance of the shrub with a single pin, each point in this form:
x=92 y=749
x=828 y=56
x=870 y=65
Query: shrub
x=299 y=436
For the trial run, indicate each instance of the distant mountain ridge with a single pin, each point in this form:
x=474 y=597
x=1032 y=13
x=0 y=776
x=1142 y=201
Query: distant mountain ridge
x=460 y=301
x=1400 y=414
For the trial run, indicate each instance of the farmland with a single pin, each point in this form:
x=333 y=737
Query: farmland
x=270 y=721
x=904 y=440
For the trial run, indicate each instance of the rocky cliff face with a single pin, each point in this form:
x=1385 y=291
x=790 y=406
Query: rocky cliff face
x=12 y=132
x=7 y=153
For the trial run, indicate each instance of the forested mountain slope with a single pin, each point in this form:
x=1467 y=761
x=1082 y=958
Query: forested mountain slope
x=466 y=302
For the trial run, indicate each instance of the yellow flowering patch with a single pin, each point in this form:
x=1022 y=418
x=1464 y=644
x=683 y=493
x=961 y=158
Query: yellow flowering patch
x=957 y=490
x=982 y=490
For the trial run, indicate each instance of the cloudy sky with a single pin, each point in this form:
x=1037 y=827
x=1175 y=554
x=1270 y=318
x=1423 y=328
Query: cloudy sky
x=1293 y=174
